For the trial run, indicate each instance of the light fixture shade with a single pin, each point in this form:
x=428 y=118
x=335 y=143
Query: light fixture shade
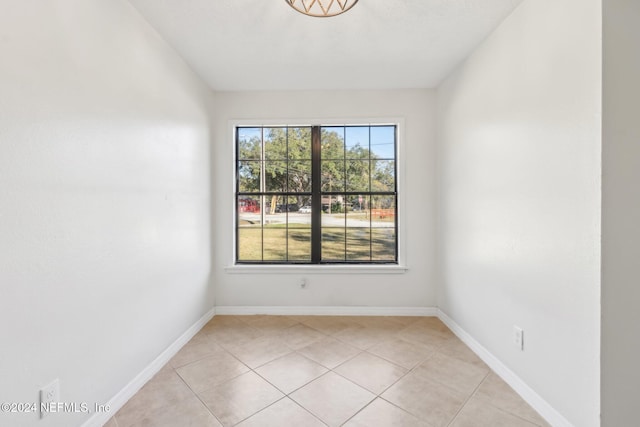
x=322 y=8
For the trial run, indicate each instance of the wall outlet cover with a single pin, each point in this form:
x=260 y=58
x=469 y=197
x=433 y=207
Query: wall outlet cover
x=518 y=337
x=49 y=394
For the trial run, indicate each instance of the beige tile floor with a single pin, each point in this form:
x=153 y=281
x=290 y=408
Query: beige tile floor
x=306 y=371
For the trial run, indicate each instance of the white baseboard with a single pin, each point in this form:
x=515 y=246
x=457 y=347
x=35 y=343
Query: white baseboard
x=545 y=410
x=327 y=311
x=100 y=418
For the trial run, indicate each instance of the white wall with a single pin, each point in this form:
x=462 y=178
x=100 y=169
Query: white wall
x=519 y=197
x=104 y=200
x=413 y=289
x=620 y=213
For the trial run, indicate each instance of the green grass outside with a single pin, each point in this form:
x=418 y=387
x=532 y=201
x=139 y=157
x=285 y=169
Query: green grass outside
x=280 y=244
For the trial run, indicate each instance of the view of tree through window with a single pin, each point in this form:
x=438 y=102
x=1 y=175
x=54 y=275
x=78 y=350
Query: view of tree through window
x=316 y=194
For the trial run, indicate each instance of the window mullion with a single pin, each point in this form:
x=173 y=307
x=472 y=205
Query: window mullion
x=263 y=187
x=316 y=197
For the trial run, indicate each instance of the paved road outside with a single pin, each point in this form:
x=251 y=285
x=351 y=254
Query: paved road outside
x=328 y=220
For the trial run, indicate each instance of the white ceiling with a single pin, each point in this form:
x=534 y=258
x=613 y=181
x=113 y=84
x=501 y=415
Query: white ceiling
x=379 y=44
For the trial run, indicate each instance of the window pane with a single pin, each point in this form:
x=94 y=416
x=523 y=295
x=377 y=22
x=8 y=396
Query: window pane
x=275 y=143
x=249 y=176
x=383 y=211
x=333 y=228
x=359 y=206
x=299 y=243
x=249 y=229
x=357 y=211
x=383 y=142
x=299 y=143
x=357 y=175
x=332 y=140
x=275 y=176
x=358 y=244
x=357 y=142
x=333 y=244
x=299 y=237
x=250 y=244
x=333 y=210
x=333 y=175
x=296 y=217
x=249 y=210
x=383 y=232
x=383 y=175
x=358 y=229
x=303 y=212
x=249 y=143
x=291 y=207
x=299 y=176
x=272 y=205
x=275 y=242
x=383 y=244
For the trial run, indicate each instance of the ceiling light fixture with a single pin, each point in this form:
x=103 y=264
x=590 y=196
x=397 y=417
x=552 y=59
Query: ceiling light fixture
x=321 y=8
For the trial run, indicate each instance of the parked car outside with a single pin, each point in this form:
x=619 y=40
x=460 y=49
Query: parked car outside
x=292 y=207
x=305 y=209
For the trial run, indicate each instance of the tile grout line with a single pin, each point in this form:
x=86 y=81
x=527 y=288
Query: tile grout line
x=379 y=395
x=260 y=410
x=360 y=410
x=285 y=395
x=475 y=390
x=308 y=411
x=404 y=410
x=389 y=334
x=296 y=351
x=488 y=402
x=197 y=397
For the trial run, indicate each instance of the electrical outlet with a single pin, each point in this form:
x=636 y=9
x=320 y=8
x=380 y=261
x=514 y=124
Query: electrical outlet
x=303 y=283
x=49 y=395
x=518 y=337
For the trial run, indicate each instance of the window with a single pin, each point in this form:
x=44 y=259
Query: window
x=316 y=195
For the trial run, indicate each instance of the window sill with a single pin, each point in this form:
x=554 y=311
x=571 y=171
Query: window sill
x=316 y=269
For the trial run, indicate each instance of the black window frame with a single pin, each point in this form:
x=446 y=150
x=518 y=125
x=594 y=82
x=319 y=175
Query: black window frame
x=316 y=195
